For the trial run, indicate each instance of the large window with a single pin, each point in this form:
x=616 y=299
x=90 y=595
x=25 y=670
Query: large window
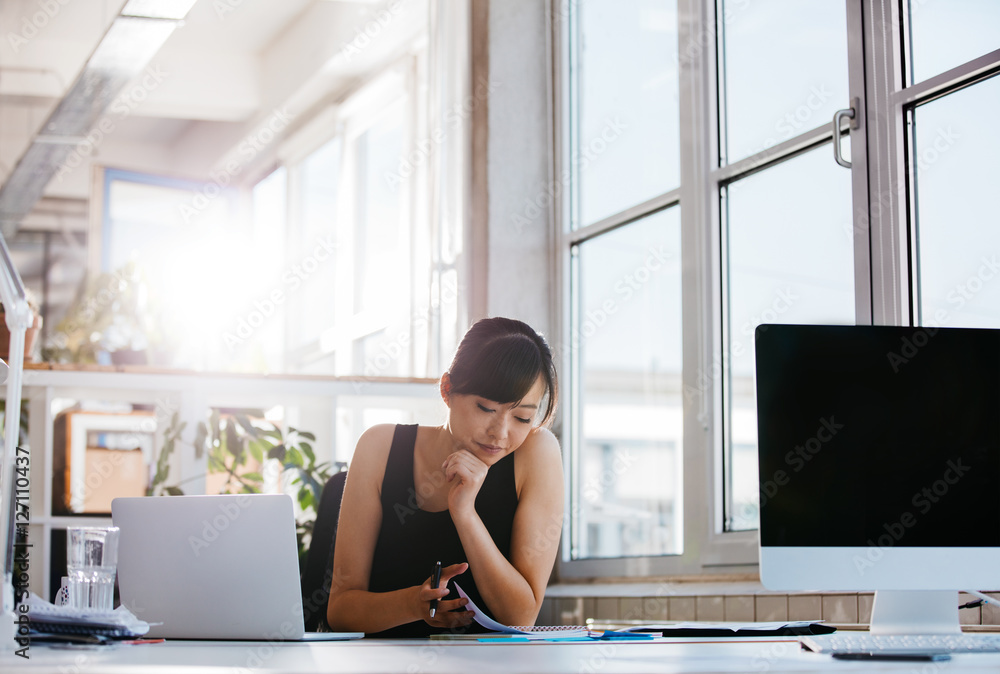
x=362 y=293
x=623 y=243
x=722 y=153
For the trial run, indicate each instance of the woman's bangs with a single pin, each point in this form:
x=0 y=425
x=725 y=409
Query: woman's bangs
x=507 y=371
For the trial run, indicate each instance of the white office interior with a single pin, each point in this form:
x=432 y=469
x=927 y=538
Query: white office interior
x=292 y=210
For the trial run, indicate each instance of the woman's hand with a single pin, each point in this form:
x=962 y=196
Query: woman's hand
x=445 y=615
x=466 y=473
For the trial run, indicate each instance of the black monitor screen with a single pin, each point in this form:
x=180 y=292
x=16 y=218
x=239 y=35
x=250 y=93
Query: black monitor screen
x=876 y=434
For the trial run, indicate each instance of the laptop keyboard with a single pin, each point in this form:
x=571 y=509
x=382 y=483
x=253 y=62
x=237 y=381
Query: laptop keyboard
x=864 y=642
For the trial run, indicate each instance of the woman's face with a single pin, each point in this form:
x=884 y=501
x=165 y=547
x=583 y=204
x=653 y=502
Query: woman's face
x=492 y=430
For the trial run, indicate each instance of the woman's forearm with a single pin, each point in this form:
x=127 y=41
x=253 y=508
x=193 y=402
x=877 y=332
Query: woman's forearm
x=368 y=612
x=505 y=591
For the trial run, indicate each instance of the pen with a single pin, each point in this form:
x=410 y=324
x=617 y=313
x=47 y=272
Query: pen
x=434 y=584
x=898 y=655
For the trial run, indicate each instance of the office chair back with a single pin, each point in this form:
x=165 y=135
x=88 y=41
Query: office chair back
x=318 y=571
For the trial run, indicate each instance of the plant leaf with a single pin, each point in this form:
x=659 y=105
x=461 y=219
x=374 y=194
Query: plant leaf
x=256 y=449
x=233 y=443
x=308 y=451
x=293 y=457
x=247 y=425
x=277 y=452
x=214 y=424
x=200 y=437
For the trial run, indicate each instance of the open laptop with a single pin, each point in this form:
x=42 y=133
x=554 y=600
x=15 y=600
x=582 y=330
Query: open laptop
x=213 y=567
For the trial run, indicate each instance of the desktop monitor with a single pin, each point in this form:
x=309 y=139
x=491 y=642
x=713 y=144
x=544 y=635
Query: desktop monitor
x=879 y=460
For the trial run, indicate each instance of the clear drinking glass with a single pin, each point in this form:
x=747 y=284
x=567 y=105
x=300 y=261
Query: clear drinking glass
x=92 y=560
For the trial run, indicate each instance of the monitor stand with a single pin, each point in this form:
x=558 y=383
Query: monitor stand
x=915 y=612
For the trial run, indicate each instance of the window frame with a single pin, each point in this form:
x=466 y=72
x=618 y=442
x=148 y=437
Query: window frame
x=882 y=228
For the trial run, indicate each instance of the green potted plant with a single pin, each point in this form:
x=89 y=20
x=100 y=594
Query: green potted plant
x=110 y=322
x=238 y=443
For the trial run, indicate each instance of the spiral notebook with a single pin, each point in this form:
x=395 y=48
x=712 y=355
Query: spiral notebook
x=532 y=632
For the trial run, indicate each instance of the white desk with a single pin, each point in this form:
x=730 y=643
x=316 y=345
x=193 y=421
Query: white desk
x=419 y=657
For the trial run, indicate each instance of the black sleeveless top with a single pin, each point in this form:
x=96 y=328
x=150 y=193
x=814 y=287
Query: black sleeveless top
x=411 y=540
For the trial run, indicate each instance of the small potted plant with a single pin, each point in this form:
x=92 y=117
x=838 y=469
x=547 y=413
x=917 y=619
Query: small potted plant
x=30 y=335
x=110 y=322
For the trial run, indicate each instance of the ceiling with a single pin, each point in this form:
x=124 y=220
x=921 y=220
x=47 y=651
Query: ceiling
x=221 y=70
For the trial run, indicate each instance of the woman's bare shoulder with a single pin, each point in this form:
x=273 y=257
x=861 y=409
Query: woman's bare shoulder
x=541 y=444
x=539 y=459
x=372 y=451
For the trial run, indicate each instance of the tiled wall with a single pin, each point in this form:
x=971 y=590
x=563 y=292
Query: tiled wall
x=837 y=608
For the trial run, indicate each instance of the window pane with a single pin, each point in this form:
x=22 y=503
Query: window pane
x=785 y=70
x=958 y=231
x=152 y=222
x=380 y=251
x=626 y=144
x=790 y=240
x=947 y=33
x=627 y=336
x=381 y=254
x=269 y=214
x=312 y=276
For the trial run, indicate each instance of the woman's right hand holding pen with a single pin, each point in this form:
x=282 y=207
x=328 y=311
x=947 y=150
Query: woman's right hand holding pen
x=445 y=614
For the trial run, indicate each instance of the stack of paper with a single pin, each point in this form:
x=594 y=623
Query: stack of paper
x=45 y=619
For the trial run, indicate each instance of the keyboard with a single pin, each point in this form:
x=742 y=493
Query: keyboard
x=865 y=642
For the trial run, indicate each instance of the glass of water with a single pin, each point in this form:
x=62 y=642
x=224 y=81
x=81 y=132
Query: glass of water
x=92 y=559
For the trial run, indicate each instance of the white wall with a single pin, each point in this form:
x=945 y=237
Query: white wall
x=519 y=161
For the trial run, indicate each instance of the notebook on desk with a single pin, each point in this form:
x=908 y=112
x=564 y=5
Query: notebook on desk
x=213 y=567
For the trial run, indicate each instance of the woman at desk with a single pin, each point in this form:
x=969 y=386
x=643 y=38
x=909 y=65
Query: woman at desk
x=483 y=494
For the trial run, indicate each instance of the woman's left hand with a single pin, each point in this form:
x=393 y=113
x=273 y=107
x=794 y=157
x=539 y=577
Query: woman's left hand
x=466 y=473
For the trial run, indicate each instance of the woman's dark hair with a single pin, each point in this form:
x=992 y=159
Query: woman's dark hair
x=500 y=359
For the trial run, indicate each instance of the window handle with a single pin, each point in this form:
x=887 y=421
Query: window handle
x=837 y=121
